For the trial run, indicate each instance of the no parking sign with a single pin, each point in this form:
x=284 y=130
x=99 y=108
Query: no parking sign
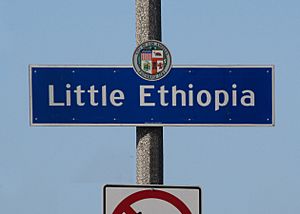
x=137 y=199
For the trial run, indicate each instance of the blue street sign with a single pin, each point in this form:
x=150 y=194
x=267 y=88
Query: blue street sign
x=187 y=96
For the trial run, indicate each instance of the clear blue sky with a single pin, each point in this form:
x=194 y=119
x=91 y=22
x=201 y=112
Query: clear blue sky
x=62 y=170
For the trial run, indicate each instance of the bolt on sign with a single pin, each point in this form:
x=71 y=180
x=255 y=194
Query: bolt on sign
x=137 y=199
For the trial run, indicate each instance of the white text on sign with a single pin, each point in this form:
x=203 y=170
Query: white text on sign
x=173 y=96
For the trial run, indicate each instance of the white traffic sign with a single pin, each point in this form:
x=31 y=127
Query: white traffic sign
x=138 y=199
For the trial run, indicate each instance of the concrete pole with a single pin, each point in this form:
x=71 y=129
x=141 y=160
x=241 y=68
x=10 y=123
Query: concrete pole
x=149 y=140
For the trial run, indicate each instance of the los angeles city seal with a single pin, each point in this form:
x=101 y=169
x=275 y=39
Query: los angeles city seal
x=152 y=60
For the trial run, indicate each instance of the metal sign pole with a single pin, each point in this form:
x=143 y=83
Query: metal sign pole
x=149 y=140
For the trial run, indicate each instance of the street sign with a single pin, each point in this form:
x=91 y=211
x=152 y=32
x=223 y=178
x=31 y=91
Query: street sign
x=119 y=199
x=187 y=96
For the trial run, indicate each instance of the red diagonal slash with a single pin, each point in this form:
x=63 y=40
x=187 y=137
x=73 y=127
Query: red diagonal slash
x=129 y=210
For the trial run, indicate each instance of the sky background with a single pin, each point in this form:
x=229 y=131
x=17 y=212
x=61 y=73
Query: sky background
x=62 y=170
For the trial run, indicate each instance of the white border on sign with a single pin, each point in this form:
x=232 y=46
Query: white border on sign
x=150 y=124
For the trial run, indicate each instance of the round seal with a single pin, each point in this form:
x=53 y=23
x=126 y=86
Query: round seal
x=152 y=60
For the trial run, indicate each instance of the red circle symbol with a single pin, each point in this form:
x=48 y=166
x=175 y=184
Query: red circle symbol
x=125 y=205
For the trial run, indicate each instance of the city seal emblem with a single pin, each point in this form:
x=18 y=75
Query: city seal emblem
x=152 y=60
